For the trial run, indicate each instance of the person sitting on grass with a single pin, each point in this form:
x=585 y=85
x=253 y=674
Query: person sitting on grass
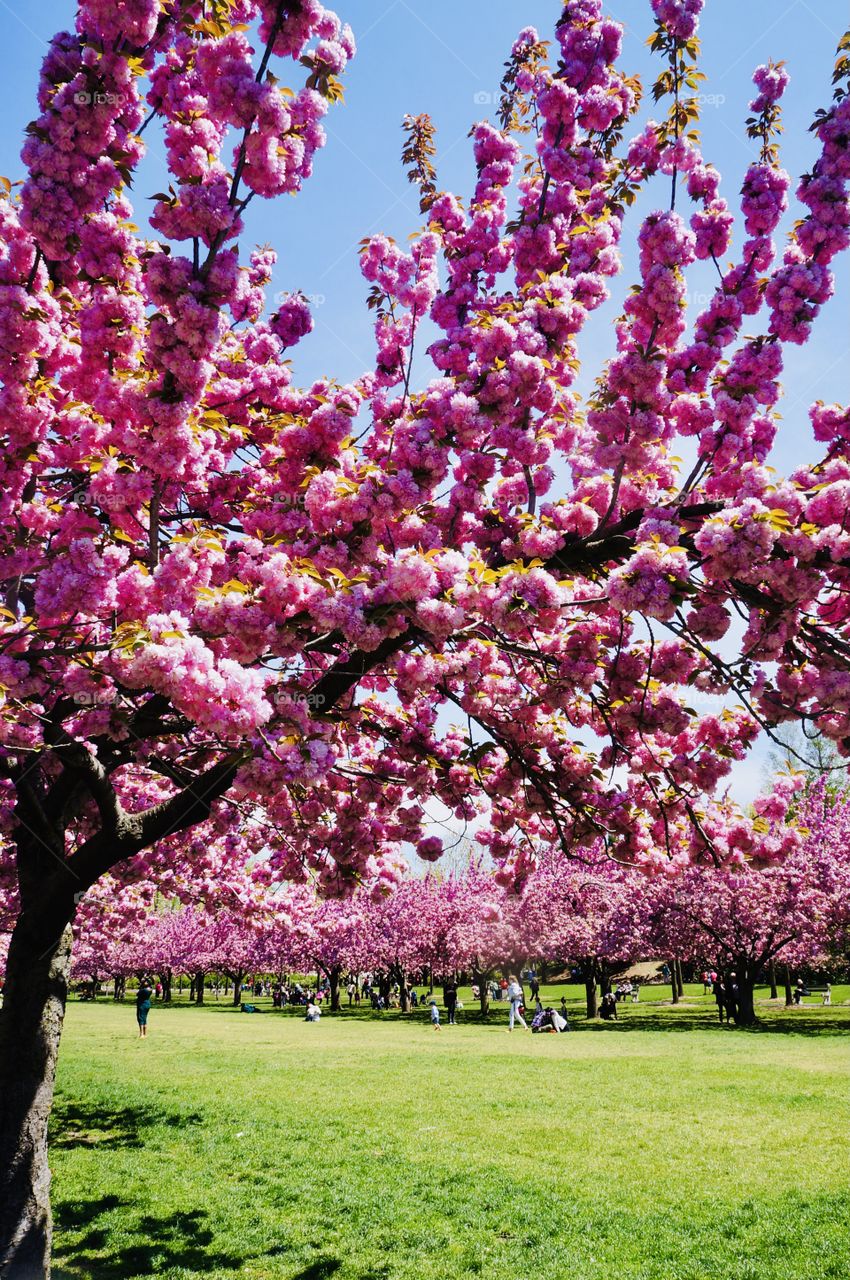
x=540 y=1021
x=435 y=1014
x=608 y=1007
x=314 y=1013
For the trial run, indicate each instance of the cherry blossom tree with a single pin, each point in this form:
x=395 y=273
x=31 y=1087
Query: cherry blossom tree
x=229 y=600
x=740 y=918
x=591 y=914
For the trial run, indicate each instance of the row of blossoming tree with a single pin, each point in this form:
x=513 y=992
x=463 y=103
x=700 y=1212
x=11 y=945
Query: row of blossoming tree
x=592 y=915
x=239 y=609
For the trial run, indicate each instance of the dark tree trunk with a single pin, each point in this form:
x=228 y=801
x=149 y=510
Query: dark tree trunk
x=238 y=980
x=589 y=974
x=674 y=982
x=774 y=990
x=789 y=994
x=199 y=988
x=333 y=981
x=404 y=991
x=680 y=986
x=745 y=1015
x=30 y=1027
x=165 y=979
x=119 y=986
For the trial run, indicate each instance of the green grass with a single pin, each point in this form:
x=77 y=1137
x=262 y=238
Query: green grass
x=372 y=1148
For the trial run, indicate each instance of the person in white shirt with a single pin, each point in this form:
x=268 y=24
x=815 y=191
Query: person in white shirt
x=514 y=994
x=314 y=1013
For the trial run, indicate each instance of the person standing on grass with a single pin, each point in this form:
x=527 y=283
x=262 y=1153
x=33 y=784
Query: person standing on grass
x=143 y=1006
x=435 y=1014
x=450 y=1000
x=535 y=986
x=732 y=998
x=719 y=990
x=514 y=994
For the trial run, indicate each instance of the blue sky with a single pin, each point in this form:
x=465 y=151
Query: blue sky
x=445 y=57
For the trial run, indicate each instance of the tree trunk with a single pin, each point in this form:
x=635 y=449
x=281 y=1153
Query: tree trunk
x=404 y=991
x=789 y=994
x=119 y=986
x=680 y=986
x=590 y=996
x=30 y=1027
x=199 y=988
x=165 y=979
x=745 y=1015
x=774 y=990
x=674 y=982
x=238 y=979
x=333 y=980
x=479 y=977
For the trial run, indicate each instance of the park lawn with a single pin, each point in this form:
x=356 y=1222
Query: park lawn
x=372 y=1148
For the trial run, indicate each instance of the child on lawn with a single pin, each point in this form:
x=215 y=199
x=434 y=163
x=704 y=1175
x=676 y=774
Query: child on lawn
x=435 y=1014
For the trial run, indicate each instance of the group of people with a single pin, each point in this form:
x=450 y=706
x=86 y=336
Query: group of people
x=726 y=992
x=294 y=994
x=724 y=988
x=543 y=1019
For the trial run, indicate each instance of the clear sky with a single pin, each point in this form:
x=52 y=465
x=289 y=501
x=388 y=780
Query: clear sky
x=445 y=57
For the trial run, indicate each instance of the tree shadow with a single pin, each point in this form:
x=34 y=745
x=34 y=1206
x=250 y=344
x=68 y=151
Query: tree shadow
x=772 y=1023
x=76 y=1124
x=321 y=1269
x=149 y=1247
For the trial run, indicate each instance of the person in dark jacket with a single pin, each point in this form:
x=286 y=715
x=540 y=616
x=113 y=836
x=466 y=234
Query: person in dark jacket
x=718 y=990
x=450 y=1000
x=143 y=1005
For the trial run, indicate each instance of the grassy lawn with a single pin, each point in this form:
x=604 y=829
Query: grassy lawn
x=371 y=1148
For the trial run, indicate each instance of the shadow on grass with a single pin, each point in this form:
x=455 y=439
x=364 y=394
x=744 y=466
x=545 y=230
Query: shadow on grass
x=775 y=1023
x=648 y=1016
x=321 y=1269
x=179 y=1241
x=74 y=1124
